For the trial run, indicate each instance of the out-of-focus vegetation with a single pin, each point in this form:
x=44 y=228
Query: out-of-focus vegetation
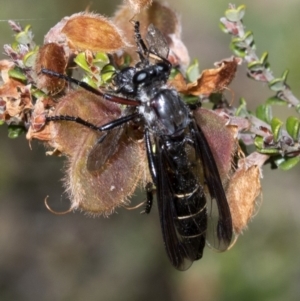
x=72 y=257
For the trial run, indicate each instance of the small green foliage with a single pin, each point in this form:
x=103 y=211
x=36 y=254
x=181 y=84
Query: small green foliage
x=14 y=131
x=292 y=127
x=287 y=163
x=242 y=108
x=30 y=58
x=223 y=27
x=276 y=126
x=235 y=14
x=275 y=100
x=192 y=73
x=239 y=45
x=98 y=72
x=80 y=60
x=191 y=100
x=242 y=44
x=260 y=65
x=279 y=84
x=24 y=37
x=100 y=60
x=259 y=142
x=264 y=113
x=107 y=73
x=17 y=73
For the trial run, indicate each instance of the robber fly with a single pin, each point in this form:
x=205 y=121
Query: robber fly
x=192 y=204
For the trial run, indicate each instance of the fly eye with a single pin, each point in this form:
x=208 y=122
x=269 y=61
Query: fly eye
x=162 y=67
x=140 y=77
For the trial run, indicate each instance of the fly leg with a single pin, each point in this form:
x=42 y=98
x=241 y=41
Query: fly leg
x=106 y=127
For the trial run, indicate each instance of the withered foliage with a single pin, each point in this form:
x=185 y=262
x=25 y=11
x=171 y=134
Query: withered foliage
x=50 y=85
x=210 y=80
x=27 y=97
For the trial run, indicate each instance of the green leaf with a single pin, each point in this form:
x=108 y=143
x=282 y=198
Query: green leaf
x=192 y=72
x=17 y=73
x=260 y=146
x=222 y=26
x=260 y=65
x=107 y=72
x=276 y=125
x=278 y=84
x=235 y=15
x=249 y=39
x=80 y=60
x=255 y=66
x=100 y=60
x=292 y=127
x=239 y=45
x=89 y=81
x=242 y=108
x=191 y=100
x=259 y=142
x=287 y=163
x=275 y=100
x=264 y=112
x=37 y=93
x=24 y=37
x=15 y=131
x=29 y=59
x=173 y=73
x=238 y=51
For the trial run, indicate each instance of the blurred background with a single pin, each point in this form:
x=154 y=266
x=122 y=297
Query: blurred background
x=74 y=257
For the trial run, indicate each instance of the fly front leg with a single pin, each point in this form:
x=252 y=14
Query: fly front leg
x=87 y=87
x=105 y=127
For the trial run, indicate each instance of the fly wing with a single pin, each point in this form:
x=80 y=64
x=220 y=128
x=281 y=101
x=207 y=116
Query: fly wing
x=219 y=230
x=157 y=42
x=105 y=147
x=178 y=252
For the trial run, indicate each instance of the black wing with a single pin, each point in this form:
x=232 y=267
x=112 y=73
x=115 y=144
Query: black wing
x=176 y=250
x=219 y=231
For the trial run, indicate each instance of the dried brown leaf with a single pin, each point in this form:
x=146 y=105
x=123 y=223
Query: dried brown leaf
x=51 y=56
x=138 y=5
x=211 y=80
x=242 y=194
x=94 y=32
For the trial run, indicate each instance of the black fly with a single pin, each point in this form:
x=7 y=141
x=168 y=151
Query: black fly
x=192 y=204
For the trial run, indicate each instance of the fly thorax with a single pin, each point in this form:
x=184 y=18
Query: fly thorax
x=166 y=113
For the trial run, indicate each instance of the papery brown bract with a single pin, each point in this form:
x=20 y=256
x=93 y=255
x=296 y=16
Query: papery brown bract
x=15 y=94
x=94 y=32
x=163 y=18
x=138 y=5
x=243 y=194
x=51 y=56
x=210 y=80
x=37 y=129
x=111 y=186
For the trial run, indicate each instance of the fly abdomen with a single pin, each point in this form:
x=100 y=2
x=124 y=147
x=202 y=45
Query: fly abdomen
x=191 y=220
x=191 y=214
